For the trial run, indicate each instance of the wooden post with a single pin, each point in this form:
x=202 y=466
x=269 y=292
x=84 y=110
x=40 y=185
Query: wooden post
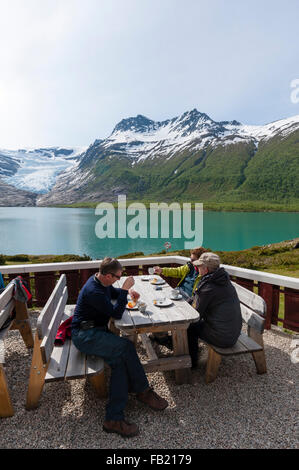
x=291 y=309
x=22 y=323
x=85 y=275
x=259 y=356
x=113 y=328
x=270 y=294
x=44 y=285
x=247 y=283
x=213 y=363
x=180 y=348
x=6 y=408
x=132 y=337
x=73 y=284
x=99 y=383
x=37 y=376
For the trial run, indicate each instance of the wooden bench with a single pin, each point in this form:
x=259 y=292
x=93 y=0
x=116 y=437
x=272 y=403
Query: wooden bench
x=20 y=322
x=58 y=363
x=253 y=309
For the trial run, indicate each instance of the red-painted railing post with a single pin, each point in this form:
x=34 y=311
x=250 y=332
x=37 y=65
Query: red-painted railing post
x=291 y=309
x=73 y=284
x=247 y=283
x=44 y=285
x=270 y=294
x=131 y=270
x=85 y=275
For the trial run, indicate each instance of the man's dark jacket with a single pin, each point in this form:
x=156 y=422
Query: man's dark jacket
x=94 y=303
x=217 y=302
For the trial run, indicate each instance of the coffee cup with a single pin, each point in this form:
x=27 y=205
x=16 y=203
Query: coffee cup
x=175 y=293
x=142 y=307
x=151 y=271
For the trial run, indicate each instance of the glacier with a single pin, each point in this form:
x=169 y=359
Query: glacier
x=38 y=169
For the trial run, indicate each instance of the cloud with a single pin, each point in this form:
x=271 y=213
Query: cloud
x=70 y=70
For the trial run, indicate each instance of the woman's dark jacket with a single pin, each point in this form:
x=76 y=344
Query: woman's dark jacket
x=217 y=302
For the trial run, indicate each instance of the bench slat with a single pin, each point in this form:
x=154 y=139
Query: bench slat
x=238 y=348
x=249 y=343
x=6 y=296
x=3 y=334
x=243 y=345
x=60 y=354
x=252 y=319
x=58 y=362
x=94 y=365
x=2 y=351
x=48 y=311
x=49 y=338
x=76 y=363
x=252 y=300
x=4 y=314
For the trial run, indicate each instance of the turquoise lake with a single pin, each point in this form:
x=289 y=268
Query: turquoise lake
x=39 y=230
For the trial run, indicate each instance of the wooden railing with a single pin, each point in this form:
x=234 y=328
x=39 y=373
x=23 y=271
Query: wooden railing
x=281 y=293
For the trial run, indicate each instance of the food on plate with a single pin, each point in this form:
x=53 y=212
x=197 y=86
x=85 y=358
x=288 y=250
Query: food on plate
x=131 y=304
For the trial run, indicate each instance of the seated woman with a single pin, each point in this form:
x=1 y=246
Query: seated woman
x=187 y=274
x=217 y=302
x=188 y=279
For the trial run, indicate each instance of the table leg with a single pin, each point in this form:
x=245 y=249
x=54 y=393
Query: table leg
x=180 y=347
x=133 y=337
x=113 y=328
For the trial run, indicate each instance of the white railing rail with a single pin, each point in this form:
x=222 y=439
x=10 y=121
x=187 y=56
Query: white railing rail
x=251 y=274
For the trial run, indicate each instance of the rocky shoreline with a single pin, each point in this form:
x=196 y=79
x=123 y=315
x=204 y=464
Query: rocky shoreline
x=13 y=197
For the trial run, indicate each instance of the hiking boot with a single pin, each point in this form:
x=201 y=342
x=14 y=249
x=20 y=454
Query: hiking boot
x=152 y=399
x=124 y=428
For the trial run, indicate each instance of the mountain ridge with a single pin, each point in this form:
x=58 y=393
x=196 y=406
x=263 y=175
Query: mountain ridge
x=188 y=156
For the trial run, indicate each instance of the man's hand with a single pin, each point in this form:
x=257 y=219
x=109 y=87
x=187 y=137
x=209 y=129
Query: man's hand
x=129 y=282
x=157 y=270
x=134 y=295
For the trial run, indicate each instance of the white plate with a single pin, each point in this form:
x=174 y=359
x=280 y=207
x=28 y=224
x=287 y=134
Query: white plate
x=165 y=303
x=145 y=278
x=132 y=308
x=179 y=297
x=158 y=282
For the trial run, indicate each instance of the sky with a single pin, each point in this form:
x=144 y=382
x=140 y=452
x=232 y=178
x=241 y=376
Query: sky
x=70 y=70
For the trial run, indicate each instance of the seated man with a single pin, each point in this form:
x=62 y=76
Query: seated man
x=91 y=335
x=188 y=280
x=217 y=302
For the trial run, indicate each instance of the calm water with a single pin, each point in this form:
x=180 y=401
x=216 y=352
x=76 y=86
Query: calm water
x=39 y=230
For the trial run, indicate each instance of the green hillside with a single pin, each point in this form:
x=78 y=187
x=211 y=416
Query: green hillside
x=225 y=174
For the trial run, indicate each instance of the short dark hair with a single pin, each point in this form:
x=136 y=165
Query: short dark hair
x=110 y=265
x=197 y=251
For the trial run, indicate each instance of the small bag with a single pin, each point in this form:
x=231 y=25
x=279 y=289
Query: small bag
x=21 y=292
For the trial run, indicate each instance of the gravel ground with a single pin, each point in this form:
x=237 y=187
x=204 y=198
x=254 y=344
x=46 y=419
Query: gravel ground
x=239 y=410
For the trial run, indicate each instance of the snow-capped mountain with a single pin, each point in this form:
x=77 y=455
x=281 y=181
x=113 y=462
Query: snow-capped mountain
x=141 y=137
x=142 y=156
x=36 y=170
x=188 y=156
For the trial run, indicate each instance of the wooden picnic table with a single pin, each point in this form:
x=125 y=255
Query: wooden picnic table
x=176 y=318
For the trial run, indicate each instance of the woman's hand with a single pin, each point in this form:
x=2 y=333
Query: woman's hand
x=157 y=270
